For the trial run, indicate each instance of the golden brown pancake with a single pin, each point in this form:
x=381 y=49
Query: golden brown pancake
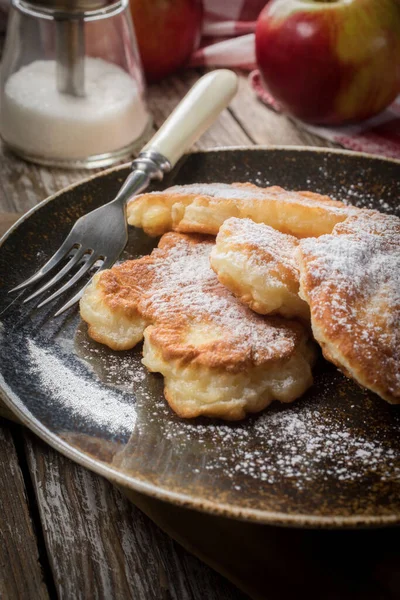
x=218 y=357
x=351 y=280
x=257 y=263
x=203 y=207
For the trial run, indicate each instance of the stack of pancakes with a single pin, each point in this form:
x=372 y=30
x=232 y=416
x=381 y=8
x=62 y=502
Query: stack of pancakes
x=226 y=320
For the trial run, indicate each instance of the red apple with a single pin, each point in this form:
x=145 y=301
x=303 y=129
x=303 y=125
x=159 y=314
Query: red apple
x=167 y=31
x=330 y=61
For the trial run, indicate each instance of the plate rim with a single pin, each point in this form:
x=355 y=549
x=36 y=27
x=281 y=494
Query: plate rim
x=161 y=493
x=263 y=147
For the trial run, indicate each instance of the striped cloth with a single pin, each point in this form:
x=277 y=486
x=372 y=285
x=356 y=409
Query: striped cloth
x=228 y=33
x=228 y=41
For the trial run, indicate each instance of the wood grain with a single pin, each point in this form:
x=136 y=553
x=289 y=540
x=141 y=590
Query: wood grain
x=23 y=185
x=7 y=219
x=101 y=546
x=264 y=126
x=20 y=571
x=5 y=412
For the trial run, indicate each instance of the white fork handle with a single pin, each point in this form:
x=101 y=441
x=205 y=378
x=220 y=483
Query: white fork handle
x=194 y=114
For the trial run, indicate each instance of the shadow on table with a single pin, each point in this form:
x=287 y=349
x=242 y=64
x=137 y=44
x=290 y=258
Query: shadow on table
x=276 y=563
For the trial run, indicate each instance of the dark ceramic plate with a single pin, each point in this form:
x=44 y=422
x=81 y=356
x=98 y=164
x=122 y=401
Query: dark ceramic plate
x=330 y=459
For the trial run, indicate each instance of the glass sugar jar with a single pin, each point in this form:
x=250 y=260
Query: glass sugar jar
x=72 y=88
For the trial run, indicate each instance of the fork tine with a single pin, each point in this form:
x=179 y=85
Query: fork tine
x=106 y=264
x=84 y=269
x=74 y=260
x=51 y=263
x=72 y=301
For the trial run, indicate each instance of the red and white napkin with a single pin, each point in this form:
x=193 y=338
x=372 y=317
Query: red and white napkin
x=228 y=33
x=228 y=41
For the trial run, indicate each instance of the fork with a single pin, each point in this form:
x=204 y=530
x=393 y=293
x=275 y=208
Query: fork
x=101 y=235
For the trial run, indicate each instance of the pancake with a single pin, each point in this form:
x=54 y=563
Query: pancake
x=351 y=280
x=258 y=265
x=202 y=208
x=218 y=358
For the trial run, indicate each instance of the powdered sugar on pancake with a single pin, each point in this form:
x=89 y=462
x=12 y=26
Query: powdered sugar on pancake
x=351 y=280
x=202 y=208
x=187 y=286
x=246 y=234
x=218 y=358
x=249 y=192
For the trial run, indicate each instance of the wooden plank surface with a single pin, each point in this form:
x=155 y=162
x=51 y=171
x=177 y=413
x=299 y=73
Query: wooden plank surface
x=101 y=546
x=5 y=412
x=21 y=574
x=23 y=185
x=264 y=126
x=7 y=219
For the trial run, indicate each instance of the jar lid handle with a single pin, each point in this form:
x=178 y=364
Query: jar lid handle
x=70 y=56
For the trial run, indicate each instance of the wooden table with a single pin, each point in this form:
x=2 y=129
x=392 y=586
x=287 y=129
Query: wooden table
x=64 y=531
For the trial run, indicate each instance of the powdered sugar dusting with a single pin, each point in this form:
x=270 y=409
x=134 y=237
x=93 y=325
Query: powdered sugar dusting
x=310 y=443
x=304 y=443
x=85 y=399
x=268 y=242
x=352 y=280
x=185 y=285
x=248 y=193
x=325 y=438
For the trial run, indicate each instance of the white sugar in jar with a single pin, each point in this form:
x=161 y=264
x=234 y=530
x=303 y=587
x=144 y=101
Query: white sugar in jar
x=39 y=120
x=102 y=116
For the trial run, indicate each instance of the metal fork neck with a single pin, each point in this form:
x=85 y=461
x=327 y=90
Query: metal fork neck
x=148 y=166
x=153 y=163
